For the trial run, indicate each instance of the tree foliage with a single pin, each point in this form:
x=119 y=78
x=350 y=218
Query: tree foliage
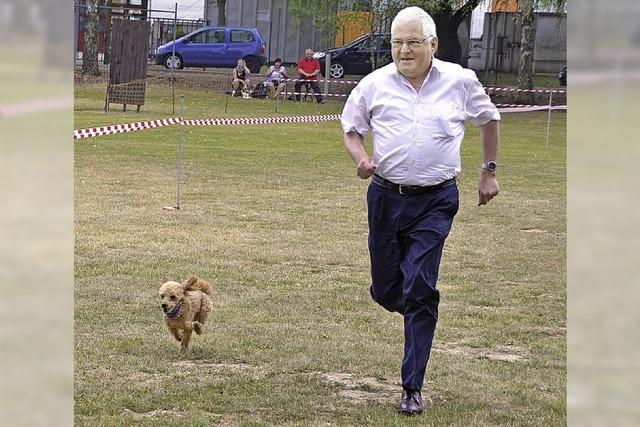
x=323 y=13
x=447 y=14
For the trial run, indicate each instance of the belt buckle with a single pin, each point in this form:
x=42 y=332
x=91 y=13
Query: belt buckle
x=400 y=186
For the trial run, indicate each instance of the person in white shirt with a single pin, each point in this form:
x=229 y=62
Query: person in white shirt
x=415 y=108
x=276 y=76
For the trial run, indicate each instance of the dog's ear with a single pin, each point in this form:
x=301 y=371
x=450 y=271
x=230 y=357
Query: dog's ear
x=191 y=280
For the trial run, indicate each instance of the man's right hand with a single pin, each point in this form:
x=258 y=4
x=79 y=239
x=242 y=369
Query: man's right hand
x=365 y=168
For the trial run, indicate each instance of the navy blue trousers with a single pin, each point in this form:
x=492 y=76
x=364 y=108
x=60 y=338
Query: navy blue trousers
x=406 y=238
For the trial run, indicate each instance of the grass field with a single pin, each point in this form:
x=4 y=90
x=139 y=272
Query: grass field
x=274 y=217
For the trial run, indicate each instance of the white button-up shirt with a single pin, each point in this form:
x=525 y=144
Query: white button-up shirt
x=417 y=135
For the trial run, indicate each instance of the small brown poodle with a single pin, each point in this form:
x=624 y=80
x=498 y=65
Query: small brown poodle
x=186 y=307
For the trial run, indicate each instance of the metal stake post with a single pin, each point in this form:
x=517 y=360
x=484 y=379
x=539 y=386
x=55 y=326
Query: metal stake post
x=226 y=99
x=173 y=67
x=179 y=160
x=180 y=151
x=546 y=144
x=327 y=74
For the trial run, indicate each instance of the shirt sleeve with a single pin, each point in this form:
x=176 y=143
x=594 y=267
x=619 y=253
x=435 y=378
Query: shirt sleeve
x=479 y=109
x=355 y=114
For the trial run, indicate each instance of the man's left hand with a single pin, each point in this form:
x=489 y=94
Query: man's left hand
x=488 y=187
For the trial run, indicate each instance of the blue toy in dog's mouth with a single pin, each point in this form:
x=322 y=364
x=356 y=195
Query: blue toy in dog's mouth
x=175 y=311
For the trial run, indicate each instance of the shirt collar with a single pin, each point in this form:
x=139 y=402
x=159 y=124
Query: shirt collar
x=436 y=64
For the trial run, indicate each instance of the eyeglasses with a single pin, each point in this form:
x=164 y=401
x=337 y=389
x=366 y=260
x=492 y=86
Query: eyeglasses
x=411 y=44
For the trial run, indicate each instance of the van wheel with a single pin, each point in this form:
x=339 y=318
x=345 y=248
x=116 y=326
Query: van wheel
x=337 y=70
x=253 y=64
x=171 y=61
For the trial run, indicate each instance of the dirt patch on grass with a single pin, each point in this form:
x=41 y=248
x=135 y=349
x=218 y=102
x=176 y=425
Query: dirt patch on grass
x=540 y=231
x=157 y=413
x=550 y=330
x=533 y=230
x=361 y=389
x=502 y=353
x=208 y=366
x=212 y=365
x=359 y=396
x=145 y=378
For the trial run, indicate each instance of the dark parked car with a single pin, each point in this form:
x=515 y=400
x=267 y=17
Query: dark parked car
x=215 y=47
x=562 y=76
x=360 y=57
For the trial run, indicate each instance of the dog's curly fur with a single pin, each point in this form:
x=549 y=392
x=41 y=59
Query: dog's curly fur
x=187 y=307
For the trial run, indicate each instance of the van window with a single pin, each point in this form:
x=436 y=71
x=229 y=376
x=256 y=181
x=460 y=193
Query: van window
x=241 y=36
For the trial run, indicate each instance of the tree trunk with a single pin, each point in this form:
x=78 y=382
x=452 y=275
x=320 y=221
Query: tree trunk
x=90 y=54
x=449 y=48
x=525 y=72
x=222 y=16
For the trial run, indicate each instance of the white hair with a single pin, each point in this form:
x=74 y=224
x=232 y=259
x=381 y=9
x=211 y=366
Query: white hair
x=412 y=14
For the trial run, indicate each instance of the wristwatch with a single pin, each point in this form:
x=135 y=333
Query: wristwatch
x=490 y=166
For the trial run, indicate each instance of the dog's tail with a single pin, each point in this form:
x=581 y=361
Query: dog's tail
x=195 y=284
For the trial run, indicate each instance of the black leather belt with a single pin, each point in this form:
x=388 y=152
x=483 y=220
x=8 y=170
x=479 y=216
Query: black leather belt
x=411 y=190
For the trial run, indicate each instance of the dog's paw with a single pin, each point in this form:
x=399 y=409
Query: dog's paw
x=198 y=328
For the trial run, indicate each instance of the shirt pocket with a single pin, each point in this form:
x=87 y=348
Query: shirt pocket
x=446 y=121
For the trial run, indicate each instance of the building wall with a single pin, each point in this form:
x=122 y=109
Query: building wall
x=284 y=37
x=501 y=38
x=354 y=25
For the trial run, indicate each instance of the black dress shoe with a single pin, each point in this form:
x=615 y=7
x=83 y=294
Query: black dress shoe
x=411 y=403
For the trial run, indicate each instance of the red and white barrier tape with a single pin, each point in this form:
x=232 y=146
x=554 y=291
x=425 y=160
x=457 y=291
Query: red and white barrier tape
x=348 y=82
x=262 y=120
x=528 y=108
x=129 y=127
x=35 y=106
x=321 y=94
x=126 y=127
x=518 y=105
x=515 y=89
x=488 y=88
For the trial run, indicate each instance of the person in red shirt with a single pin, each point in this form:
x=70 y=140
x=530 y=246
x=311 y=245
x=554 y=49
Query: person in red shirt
x=309 y=68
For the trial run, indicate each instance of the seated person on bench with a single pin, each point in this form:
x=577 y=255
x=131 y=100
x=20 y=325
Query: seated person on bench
x=309 y=68
x=276 y=76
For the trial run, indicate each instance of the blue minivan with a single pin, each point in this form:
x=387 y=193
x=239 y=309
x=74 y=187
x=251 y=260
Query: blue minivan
x=214 y=47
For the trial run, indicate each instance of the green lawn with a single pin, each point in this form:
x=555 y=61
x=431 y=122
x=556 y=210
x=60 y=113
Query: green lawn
x=274 y=217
